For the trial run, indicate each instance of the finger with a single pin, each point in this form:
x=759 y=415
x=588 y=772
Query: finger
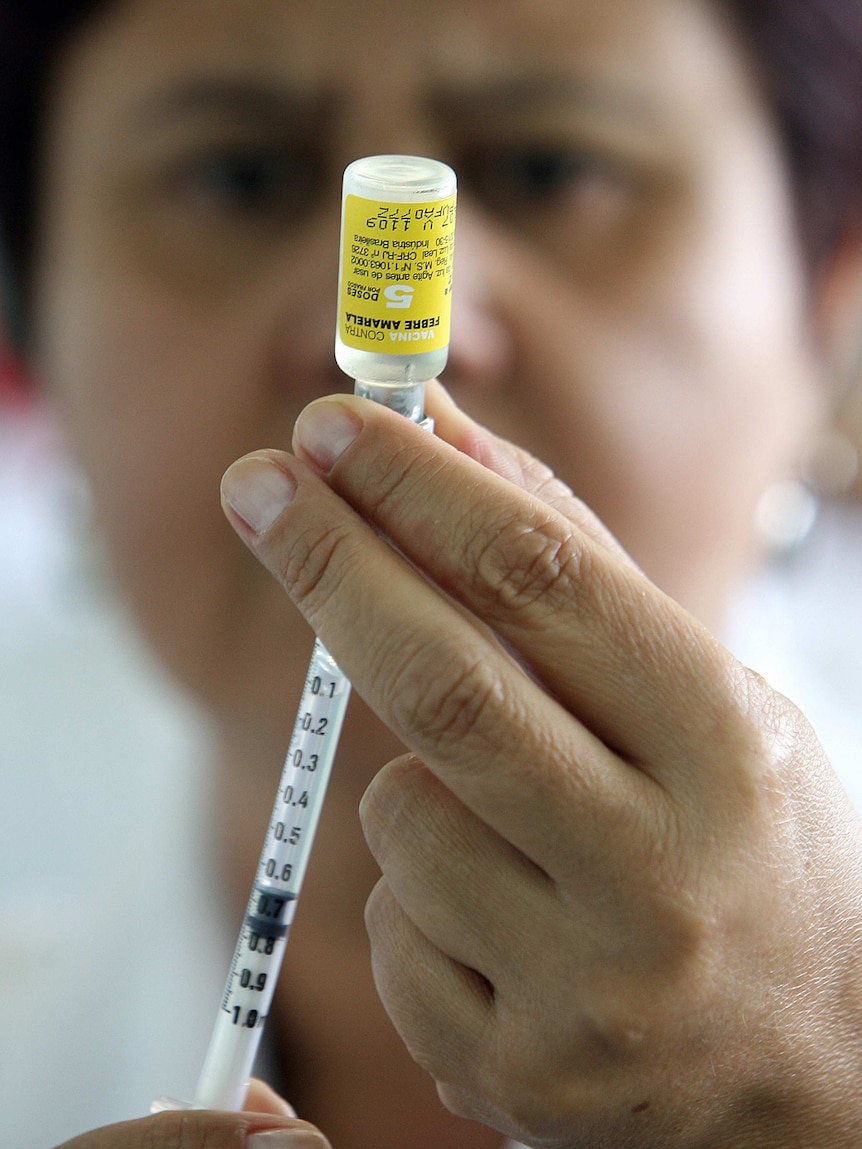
x=507 y=749
x=201 y=1129
x=446 y=1014
x=600 y=636
x=262 y=1098
x=442 y=1010
x=514 y=464
x=472 y=894
x=482 y=904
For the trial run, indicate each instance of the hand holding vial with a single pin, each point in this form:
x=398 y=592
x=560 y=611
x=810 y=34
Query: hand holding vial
x=590 y=875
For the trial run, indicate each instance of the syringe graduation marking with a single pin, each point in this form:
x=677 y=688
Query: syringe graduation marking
x=271 y=907
x=291 y=827
x=278 y=881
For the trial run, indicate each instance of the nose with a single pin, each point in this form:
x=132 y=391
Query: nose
x=304 y=326
x=482 y=347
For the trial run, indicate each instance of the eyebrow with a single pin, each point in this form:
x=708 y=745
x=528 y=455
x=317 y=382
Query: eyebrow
x=247 y=100
x=538 y=92
x=253 y=101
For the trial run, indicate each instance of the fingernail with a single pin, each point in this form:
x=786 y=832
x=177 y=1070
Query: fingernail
x=286 y=1139
x=325 y=430
x=257 y=490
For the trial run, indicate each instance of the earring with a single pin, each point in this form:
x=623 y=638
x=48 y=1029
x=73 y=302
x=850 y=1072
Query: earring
x=787 y=510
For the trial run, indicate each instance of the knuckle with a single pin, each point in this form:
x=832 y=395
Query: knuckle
x=384 y=486
x=316 y=559
x=544 y=1098
x=391 y=791
x=459 y=1100
x=192 y=1132
x=445 y=700
x=534 y=475
x=537 y=1100
x=466 y=1099
x=373 y=816
x=524 y=563
x=379 y=909
x=178 y=1131
x=766 y=717
x=385 y=812
x=760 y=735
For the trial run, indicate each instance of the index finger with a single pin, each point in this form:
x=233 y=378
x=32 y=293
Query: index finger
x=444 y=685
x=631 y=664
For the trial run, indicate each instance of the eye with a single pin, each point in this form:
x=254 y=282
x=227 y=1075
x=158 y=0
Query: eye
x=249 y=181
x=536 y=176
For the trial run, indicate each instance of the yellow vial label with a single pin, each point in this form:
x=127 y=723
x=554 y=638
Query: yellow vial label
x=396 y=275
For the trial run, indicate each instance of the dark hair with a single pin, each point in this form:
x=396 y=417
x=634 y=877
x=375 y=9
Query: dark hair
x=31 y=34
x=809 y=53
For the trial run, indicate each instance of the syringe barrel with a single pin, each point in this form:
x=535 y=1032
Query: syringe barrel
x=262 y=941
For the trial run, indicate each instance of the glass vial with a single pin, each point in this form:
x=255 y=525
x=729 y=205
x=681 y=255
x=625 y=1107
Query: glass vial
x=395 y=274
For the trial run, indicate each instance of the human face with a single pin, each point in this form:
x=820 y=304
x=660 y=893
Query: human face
x=628 y=305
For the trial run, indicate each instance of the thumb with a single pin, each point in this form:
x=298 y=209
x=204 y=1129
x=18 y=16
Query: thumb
x=203 y=1129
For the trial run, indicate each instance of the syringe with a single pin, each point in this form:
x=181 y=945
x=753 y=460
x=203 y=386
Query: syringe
x=395 y=283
